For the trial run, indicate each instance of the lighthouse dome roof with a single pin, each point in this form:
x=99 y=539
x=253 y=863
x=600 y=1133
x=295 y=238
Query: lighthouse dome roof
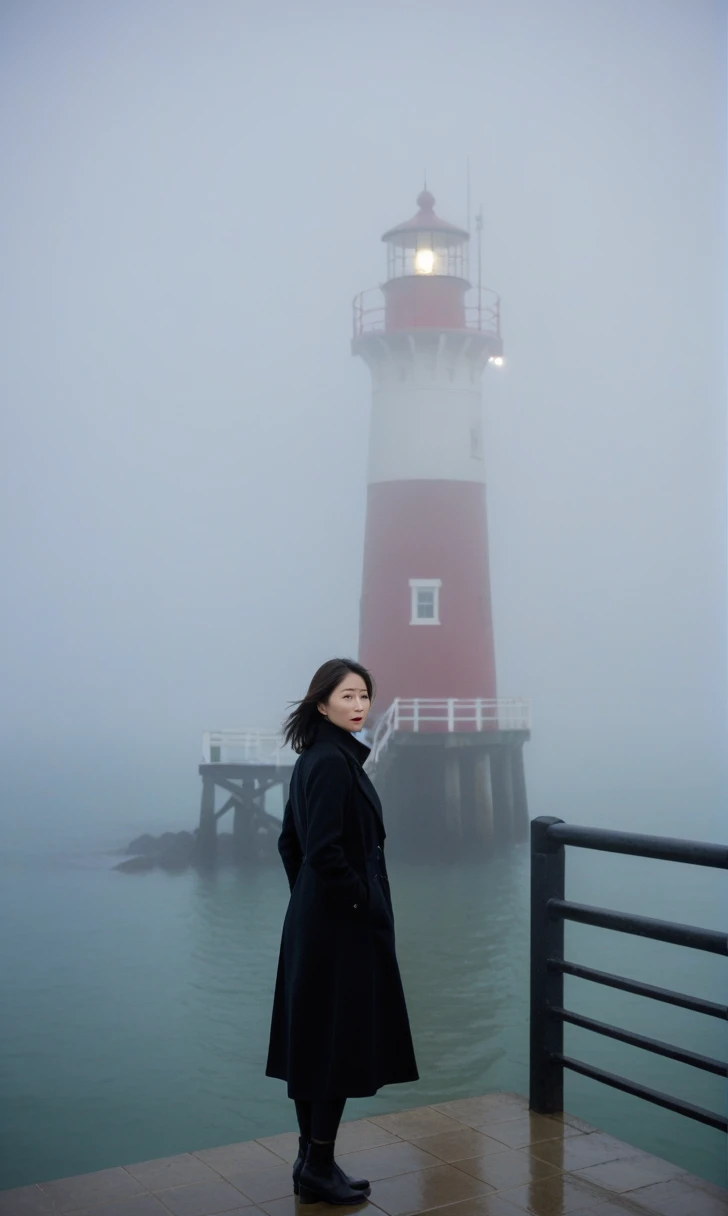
x=425 y=221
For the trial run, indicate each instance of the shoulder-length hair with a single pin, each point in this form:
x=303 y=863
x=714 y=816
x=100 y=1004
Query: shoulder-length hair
x=299 y=728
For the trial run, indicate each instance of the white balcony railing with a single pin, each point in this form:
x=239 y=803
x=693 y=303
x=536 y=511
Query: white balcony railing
x=245 y=747
x=446 y=715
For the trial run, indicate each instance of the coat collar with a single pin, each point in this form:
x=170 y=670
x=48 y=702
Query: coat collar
x=326 y=731
x=344 y=739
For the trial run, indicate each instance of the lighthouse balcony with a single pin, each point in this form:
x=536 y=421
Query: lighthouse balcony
x=378 y=314
x=450 y=716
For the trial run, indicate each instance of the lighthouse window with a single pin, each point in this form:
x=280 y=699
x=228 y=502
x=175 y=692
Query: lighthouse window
x=425 y=594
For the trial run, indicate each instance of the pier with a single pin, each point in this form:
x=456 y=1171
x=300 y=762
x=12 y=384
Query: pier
x=241 y=765
x=450 y=773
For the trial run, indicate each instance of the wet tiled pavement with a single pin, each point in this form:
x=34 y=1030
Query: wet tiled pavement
x=475 y=1157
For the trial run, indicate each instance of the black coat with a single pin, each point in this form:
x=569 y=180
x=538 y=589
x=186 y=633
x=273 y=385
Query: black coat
x=340 y=1027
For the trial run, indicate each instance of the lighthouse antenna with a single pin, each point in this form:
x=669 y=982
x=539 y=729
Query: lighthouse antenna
x=479 y=228
x=467 y=194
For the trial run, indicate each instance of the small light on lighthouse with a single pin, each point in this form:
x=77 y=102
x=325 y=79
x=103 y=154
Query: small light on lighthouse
x=424 y=261
x=496 y=360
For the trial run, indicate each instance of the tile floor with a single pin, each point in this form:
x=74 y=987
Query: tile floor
x=476 y=1157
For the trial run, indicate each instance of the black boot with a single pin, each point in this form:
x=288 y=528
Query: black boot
x=356 y=1184
x=322 y=1181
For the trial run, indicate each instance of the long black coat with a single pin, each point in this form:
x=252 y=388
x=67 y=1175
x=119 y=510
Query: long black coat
x=340 y=1027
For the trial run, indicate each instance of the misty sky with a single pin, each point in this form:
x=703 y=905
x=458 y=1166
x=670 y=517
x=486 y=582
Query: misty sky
x=192 y=195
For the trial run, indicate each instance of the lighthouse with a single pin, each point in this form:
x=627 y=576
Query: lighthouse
x=450 y=749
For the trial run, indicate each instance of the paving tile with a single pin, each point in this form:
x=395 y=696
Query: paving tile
x=507 y=1169
x=558 y=1196
x=290 y=1207
x=202 y=1199
x=629 y=1173
x=364 y=1133
x=432 y=1188
x=165 y=1172
x=490 y=1108
x=482 y=1205
x=262 y=1185
x=456 y=1146
x=86 y=1189
x=580 y=1152
x=415 y=1124
x=387 y=1161
x=573 y=1121
x=677 y=1197
x=137 y=1205
x=240 y=1158
x=285 y=1145
x=532 y=1129
x=25 y=1201
x=694 y=1181
x=615 y=1206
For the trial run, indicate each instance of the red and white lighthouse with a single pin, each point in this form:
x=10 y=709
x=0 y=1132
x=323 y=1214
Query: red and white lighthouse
x=426 y=628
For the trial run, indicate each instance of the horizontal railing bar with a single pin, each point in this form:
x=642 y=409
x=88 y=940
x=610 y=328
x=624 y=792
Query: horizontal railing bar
x=663 y=848
x=696 y=1004
x=709 y=940
x=656 y=1046
x=699 y=1113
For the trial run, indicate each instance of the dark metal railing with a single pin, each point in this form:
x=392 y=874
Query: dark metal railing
x=550 y=909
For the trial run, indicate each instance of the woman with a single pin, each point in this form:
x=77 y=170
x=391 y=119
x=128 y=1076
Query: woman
x=340 y=1027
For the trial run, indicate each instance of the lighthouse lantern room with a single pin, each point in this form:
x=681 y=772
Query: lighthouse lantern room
x=426 y=628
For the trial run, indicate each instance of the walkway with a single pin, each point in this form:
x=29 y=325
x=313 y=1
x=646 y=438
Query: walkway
x=475 y=1157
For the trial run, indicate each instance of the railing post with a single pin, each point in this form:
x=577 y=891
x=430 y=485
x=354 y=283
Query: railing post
x=547 y=987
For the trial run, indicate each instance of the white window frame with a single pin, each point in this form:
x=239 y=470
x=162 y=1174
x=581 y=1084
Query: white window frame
x=424 y=584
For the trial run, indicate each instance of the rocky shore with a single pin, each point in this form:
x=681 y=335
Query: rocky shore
x=177 y=851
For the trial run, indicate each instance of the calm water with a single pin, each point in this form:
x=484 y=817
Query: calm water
x=134 y=1022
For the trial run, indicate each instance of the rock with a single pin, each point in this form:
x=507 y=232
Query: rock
x=174 y=860
x=136 y=865
x=143 y=844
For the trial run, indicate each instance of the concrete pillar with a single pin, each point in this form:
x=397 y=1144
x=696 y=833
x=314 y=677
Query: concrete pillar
x=207 y=832
x=244 y=824
x=453 y=802
x=521 y=827
x=483 y=802
x=502 y=796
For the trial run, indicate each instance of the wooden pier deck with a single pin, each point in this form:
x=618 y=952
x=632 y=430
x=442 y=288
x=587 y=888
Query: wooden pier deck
x=473 y=1157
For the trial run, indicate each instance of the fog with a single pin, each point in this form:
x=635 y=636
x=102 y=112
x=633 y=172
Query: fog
x=193 y=193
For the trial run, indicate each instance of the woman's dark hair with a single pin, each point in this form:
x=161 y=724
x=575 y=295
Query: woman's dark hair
x=299 y=728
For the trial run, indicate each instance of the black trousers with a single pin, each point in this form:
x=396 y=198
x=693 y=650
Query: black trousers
x=320 y=1120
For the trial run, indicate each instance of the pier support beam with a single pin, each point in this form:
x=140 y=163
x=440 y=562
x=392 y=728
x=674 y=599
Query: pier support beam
x=453 y=805
x=521 y=826
x=483 y=801
x=207 y=832
x=502 y=796
x=244 y=823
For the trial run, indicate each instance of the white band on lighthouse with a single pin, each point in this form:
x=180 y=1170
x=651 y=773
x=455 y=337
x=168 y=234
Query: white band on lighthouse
x=424 y=434
x=426 y=419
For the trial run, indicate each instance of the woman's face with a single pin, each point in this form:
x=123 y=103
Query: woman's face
x=349 y=704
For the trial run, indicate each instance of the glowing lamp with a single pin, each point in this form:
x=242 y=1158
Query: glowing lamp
x=424 y=261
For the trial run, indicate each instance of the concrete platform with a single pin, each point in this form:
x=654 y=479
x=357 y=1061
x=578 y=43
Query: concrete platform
x=474 y=1157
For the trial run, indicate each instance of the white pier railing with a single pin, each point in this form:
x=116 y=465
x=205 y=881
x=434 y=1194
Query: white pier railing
x=245 y=747
x=446 y=715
